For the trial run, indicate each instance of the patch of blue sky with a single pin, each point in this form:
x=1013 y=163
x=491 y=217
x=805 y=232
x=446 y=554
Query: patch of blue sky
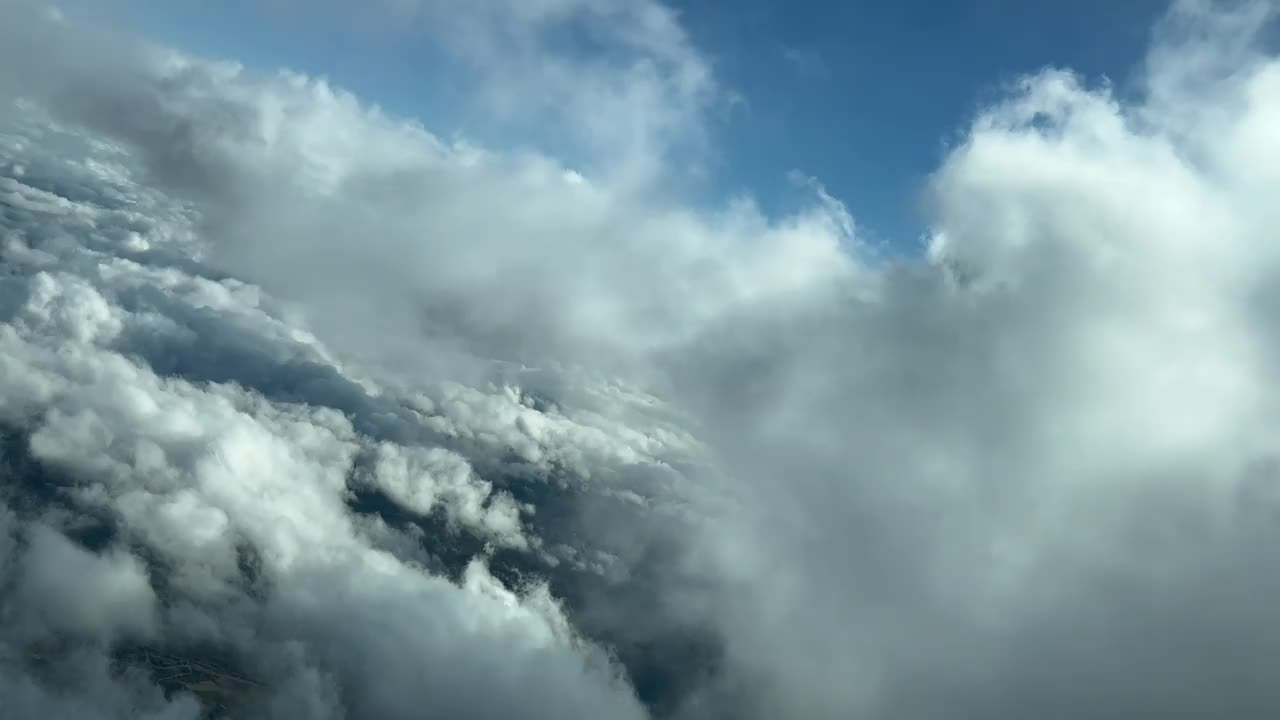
x=865 y=97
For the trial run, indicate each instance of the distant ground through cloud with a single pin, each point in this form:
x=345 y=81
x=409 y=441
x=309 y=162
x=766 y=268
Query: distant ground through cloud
x=309 y=412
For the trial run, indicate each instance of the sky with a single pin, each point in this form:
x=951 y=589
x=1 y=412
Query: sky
x=584 y=383
x=863 y=96
x=859 y=95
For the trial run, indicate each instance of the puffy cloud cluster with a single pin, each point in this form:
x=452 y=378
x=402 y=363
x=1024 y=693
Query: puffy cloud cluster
x=182 y=465
x=1034 y=476
x=393 y=427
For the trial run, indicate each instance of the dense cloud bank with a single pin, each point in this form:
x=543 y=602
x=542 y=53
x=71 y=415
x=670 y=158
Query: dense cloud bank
x=368 y=424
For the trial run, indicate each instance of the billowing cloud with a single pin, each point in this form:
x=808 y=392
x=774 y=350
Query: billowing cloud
x=1032 y=477
x=357 y=422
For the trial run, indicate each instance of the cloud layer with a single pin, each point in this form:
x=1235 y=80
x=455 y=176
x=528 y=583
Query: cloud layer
x=386 y=426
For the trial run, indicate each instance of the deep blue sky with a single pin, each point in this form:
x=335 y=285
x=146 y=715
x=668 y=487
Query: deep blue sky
x=861 y=94
x=877 y=87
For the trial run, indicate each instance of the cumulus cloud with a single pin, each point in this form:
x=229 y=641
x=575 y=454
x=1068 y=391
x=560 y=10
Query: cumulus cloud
x=1012 y=485
x=169 y=407
x=363 y=423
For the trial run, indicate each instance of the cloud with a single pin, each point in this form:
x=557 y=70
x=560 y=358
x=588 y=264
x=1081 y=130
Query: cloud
x=82 y=593
x=163 y=402
x=201 y=475
x=1014 y=480
x=617 y=85
x=806 y=62
x=390 y=426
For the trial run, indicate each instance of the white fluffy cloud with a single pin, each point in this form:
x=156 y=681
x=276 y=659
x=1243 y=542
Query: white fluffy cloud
x=403 y=427
x=1015 y=482
x=170 y=408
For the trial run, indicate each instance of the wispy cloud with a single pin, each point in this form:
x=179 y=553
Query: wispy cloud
x=806 y=62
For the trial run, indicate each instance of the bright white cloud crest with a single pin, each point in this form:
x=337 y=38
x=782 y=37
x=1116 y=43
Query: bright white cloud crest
x=388 y=426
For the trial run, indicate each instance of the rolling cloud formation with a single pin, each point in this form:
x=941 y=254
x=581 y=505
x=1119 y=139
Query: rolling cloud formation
x=391 y=426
